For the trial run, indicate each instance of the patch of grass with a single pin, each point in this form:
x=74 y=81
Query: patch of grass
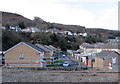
x=58 y=61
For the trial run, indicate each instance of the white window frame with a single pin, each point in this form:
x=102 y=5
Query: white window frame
x=21 y=56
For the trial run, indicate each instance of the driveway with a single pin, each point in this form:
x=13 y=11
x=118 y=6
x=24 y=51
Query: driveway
x=70 y=60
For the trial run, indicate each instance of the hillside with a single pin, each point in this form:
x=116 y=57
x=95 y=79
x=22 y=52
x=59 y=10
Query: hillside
x=13 y=19
x=10 y=38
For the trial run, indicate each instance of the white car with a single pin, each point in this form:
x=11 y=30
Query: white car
x=66 y=64
x=63 y=55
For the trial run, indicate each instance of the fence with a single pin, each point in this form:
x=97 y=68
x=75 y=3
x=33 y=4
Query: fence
x=51 y=68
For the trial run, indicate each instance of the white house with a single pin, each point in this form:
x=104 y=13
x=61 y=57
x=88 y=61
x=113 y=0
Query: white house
x=70 y=33
x=83 y=34
x=31 y=29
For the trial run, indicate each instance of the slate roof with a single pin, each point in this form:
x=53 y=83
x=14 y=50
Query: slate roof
x=110 y=46
x=27 y=44
x=104 y=54
x=90 y=46
x=52 y=47
x=86 y=45
x=43 y=47
x=99 y=45
x=48 y=47
x=35 y=47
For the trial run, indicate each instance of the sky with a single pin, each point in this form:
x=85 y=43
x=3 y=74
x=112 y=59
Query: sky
x=88 y=13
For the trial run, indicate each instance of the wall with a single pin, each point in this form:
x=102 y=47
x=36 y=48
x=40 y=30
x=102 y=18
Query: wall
x=98 y=62
x=31 y=57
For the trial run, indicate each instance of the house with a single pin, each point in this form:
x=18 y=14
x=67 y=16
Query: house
x=98 y=46
x=106 y=59
x=82 y=34
x=61 y=32
x=24 y=54
x=73 y=53
x=85 y=58
x=55 y=30
x=31 y=29
x=35 y=29
x=86 y=48
x=111 y=47
x=53 y=49
x=48 y=53
x=28 y=29
x=3 y=27
x=70 y=52
x=70 y=33
x=66 y=32
x=74 y=34
x=116 y=40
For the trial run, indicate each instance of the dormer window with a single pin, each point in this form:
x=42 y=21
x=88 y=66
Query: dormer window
x=21 y=56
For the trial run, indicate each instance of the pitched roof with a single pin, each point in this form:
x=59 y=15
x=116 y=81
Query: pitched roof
x=86 y=45
x=104 y=54
x=52 y=47
x=110 y=46
x=43 y=47
x=48 y=47
x=29 y=45
x=35 y=47
x=99 y=45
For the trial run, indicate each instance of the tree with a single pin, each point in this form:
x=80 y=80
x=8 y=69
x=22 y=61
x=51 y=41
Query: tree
x=9 y=39
x=7 y=26
x=22 y=25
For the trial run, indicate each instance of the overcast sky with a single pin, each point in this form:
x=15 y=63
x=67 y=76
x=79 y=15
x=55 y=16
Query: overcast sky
x=88 y=13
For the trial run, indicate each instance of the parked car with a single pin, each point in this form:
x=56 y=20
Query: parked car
x=66 y=64
x=63 y=55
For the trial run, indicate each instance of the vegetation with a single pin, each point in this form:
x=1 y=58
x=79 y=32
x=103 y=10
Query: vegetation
x=7 y=26
x=58 y=61
x=22 y=25
x=10 y=38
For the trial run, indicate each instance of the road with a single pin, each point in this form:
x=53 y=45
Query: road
x=73 y=62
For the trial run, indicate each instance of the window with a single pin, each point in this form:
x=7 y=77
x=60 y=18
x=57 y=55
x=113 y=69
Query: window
x=21 y=55
x=41 y=55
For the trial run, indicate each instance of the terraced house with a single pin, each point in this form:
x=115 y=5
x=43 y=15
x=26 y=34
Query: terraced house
x=112 y=47
x=48 y=53
x=25 y=54
x=107 y=59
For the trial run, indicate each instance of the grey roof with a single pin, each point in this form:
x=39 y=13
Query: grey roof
x=86 y=45
x=43 y=47
x=28 y=44
x=110 y=46
x=48 y=47
x=76 y=52
x=99 y=45
x=52 y=47
x=34 y=46
x=90 y=46
x=104 y=54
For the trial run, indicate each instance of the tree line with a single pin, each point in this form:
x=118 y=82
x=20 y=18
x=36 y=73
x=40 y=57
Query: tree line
x=10 y=38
